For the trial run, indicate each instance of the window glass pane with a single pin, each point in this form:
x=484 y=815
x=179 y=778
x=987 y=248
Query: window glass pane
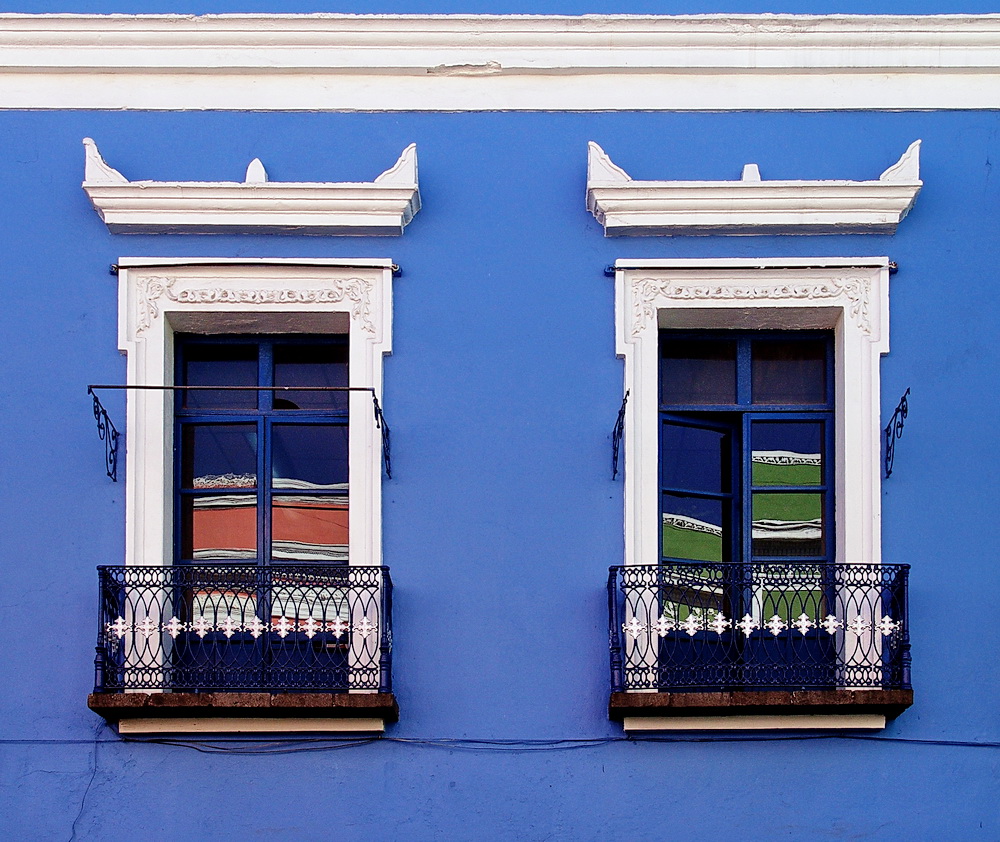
x=788 y=524
x=309 y=528
x=789 y=371
x=309 y=456
x=695 y=528
x=219 y=527
x=219 y=365
x=695 y=459
x=310 y=365
x=787 y=453
x=219 y=455
x=698 y=371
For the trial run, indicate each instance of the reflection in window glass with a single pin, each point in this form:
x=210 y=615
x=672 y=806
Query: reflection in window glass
x=695 y=528
x=310 y=365
x=219 y=527
x=787 y=453
x=309 y=456
x=788 y=371
x=698 y=371
x=219 y=456
x=309 y=528
x=787 y=524
x=695 y=459
x=217 y=605
x=219 y=365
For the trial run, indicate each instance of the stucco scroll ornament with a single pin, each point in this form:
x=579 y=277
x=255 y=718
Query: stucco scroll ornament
x=646 y=292
x=357 y=291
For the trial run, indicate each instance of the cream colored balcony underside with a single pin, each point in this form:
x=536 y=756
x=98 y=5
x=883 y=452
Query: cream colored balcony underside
x=381 y=207
x=750 y=206
x=325 y=62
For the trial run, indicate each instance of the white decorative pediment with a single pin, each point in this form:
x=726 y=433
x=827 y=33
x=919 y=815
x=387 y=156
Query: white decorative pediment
x=380 y=207
x=751 y=205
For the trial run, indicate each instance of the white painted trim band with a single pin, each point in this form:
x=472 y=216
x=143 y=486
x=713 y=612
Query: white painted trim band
x=482 y=63
x=766 y=722
x=251 y=725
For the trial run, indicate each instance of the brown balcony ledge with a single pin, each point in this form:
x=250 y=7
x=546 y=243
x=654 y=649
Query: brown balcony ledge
x=241 y=712
x=648 y=710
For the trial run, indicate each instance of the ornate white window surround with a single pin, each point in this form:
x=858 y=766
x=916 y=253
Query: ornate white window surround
x=380 y=207
x=847 y=295
x=750 y=206
x=157 y=297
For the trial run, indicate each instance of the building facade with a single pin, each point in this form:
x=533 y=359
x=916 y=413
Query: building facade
x=679 y=324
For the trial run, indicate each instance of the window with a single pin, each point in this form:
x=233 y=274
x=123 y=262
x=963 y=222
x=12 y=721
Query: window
x=746 y=447
x=751 y=483
x=253 y=515
x=841 y=303
x=262 y=475
x=173 y=315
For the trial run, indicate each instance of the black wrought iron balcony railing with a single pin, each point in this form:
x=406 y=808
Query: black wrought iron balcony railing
x=242 y=627
x=767 y=626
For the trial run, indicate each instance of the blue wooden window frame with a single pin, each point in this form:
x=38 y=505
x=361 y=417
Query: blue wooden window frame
x=265 y=416
x=737 y=418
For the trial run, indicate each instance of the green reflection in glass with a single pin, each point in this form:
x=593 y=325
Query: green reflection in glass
x=788 y=524
x=691 y=540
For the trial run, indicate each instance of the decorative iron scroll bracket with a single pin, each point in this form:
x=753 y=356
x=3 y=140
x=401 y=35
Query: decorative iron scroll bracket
x=380 y=423
x=109 y=435
x=616 y=437
x=894 y=430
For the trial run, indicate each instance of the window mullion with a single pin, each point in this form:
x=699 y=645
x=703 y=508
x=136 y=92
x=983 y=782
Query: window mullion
x=265 y=405
x=743 y=372
x=264 y=490
x=744 y=451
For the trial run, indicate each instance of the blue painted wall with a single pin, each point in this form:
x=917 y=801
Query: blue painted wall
x=501 y=519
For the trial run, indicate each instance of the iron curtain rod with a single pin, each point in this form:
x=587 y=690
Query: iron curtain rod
x=90 y=389
x=115 y=268
x=110 y=436
x=611 y=269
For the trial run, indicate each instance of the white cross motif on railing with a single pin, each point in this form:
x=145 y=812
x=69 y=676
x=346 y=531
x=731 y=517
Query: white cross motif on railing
x=747 y=624
x=830 y=624
x=887 y=626
x=664 y=626
x=255 y=627
x=692 y=624
x=859 y=625
x=776 y=625
x=201 y=626
x=803 y=623
x=365 y=627
x=229 y=626
x=174 y=627
x=633 y=628
x=283 y=627
x=720 y=623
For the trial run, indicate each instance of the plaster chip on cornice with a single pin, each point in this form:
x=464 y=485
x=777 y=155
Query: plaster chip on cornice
x=626 y=207
x=382 y=207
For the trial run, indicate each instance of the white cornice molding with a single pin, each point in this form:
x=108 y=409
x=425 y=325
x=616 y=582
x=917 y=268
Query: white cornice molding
x=380 y=207
x=483 y=62
x=750 y=206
